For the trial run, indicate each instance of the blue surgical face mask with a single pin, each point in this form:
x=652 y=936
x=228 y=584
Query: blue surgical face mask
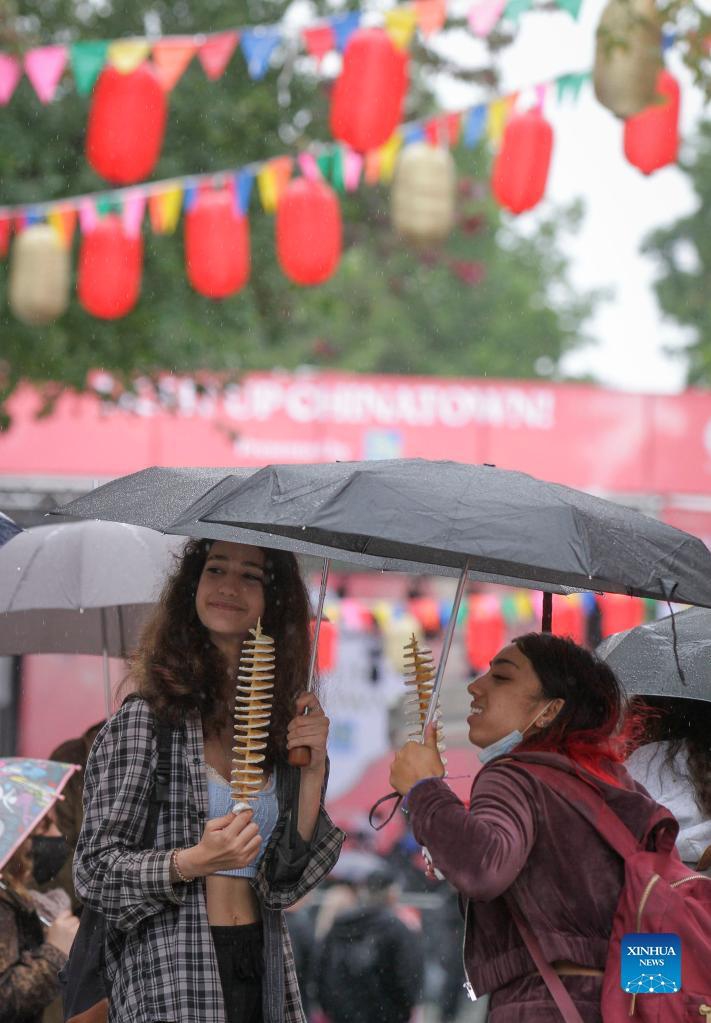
x=507 y=742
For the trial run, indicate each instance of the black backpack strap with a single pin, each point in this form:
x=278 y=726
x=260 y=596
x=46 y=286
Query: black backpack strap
x=161 y=782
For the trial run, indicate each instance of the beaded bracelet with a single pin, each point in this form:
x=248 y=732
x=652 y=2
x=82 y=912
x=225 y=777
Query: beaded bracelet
x=178 y=872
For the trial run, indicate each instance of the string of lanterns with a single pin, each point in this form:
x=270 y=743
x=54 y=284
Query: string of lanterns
x=126 y=125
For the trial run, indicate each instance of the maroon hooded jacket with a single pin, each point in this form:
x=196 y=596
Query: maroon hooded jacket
x=521 y=838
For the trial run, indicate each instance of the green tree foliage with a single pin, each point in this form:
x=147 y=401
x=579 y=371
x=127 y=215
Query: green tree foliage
x=490 y=302
x=682 y=252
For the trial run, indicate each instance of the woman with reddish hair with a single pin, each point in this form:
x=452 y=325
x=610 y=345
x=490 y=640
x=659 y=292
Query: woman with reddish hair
x=521 y=849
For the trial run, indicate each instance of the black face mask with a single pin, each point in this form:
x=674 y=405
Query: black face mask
x=49 y=854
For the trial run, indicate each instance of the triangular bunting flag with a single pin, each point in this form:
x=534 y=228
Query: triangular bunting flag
x=338 y=171
x=34 y=217
x=111 y=203
x=258 y=46
x=453 y=123
x=668 y=39
x=216 y=53
x=308 y=167
x=87 y=215
x=272 y=180
x=319 y=40
x=243 y=192
x=388 y=156
x=344 y=25
x=44 y=68
x=155 y=213
x=400 y=25
x=571 y=6
x=64 y=220
x=171 y=58
x=19 y=223
x=497 y=117
x=484 y=16
x=372 y=167
x=10 y=72
x=475 y=125
x=430 y=15
x=5 y=231
x=414 y=133
x=515 y=8
x=324 y=162
x=352 y=167
x=87 y=60
x=126 y=54
x=134 y=206
x=570 y=85
x=172 y=204
x=190 y=195
x=541 y=91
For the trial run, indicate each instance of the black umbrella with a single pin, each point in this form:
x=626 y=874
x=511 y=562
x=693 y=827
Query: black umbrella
x=669 y=657
x=504 y=523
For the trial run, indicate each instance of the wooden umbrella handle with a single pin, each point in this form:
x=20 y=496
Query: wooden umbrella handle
x=300 y=756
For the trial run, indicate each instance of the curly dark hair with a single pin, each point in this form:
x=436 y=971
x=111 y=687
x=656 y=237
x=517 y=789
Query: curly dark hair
x=177 y=668
x=682 y=723
x=591 y=727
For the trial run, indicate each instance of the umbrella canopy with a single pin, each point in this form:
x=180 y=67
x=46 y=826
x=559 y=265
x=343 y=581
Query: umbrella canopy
x=643 y=658
x=8 y=529
x=175 y=501
x=28 y=788
x=504 y=523
x=81 y=587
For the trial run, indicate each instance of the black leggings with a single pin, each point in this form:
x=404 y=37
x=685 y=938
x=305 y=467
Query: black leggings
x=240 y=960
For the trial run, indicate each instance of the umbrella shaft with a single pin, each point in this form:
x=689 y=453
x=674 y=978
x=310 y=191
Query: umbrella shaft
x=451 y=625
x=317 y=623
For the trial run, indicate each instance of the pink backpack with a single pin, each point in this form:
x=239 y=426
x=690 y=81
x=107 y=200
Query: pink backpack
x=660 y=895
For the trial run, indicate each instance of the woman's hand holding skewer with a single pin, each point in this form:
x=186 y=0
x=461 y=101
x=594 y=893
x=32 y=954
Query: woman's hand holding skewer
x=228 y=842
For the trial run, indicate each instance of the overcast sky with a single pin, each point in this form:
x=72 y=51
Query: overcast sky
x=621 y=204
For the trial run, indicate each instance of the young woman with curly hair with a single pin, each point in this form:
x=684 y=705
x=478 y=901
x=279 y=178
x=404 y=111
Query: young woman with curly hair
x=674 y=765
x=521 y=847
x=195 y=929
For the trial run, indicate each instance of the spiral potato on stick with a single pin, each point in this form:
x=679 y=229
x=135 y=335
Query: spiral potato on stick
x=420 y=674
x=253 y=709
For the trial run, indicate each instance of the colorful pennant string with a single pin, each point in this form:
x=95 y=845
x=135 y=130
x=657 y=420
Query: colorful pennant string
x=336 y=163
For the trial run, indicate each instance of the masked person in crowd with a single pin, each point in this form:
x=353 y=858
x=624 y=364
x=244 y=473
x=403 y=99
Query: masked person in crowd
x=68 y=810
x=36 y=932
x=674 y=766
x=520 y=845
x=195 y=930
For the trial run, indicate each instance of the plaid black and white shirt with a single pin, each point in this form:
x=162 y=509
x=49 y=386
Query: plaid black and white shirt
x=160 y=958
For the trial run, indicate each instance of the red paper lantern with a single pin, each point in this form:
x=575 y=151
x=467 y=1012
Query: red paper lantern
x=521 y=166
x=216 y=245
x=126 y=124
x=110 y=265
x=366 y=106
x=651 y=138
x=308 y=231
x=485 y=632
x=619 y=613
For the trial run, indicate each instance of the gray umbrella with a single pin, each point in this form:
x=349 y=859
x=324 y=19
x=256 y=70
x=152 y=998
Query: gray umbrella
x=8 y=529
x=645 y=662
x=82 y=587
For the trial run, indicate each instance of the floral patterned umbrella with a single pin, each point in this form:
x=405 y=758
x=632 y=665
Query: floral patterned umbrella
x=28 y=788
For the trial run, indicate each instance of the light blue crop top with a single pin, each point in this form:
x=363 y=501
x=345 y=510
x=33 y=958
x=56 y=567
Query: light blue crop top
x=266 y=812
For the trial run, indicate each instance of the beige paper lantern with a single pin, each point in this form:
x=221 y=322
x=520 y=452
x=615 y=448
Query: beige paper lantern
x=423 y=193
x=628 y=56
x=38 y=291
